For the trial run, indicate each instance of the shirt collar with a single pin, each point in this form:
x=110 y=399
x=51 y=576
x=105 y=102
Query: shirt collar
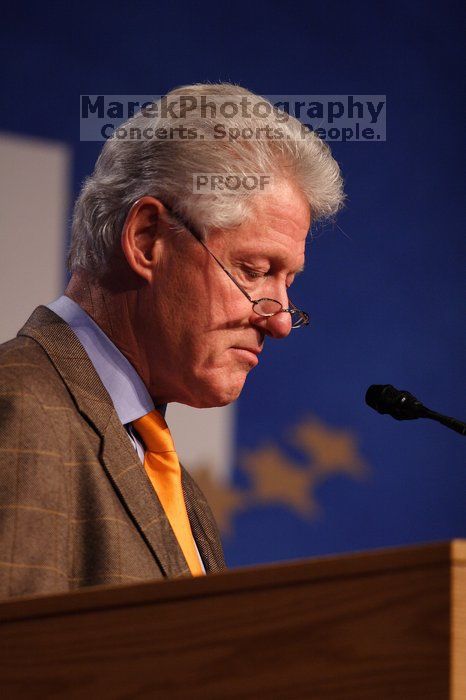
x=125 y=387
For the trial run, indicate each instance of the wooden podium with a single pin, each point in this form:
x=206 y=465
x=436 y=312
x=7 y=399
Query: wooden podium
x=386 y=624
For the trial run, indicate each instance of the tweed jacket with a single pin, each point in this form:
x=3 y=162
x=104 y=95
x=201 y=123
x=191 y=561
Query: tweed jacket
x=76 y=506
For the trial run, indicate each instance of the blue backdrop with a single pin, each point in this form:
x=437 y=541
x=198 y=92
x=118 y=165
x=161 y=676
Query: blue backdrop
x=385 y=289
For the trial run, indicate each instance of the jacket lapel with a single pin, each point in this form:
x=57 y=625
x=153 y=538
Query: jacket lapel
x=119 y=459
x=203 y=524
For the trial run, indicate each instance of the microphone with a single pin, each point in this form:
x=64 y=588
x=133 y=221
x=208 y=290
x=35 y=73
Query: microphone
x=402 y=405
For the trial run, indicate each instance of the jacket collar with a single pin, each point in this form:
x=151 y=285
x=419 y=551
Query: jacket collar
x=125 y=387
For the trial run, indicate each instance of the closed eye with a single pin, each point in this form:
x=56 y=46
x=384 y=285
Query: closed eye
x=254 y=274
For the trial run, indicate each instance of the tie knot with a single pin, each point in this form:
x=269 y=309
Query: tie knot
x=155 y=433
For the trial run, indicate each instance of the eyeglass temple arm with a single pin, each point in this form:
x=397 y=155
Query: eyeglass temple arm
x=197 y=236
x=224 y=268
x=289 y=310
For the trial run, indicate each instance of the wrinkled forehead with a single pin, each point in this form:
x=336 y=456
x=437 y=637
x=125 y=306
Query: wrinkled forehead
x=273 y=237
x=285 y=210
x=280 y=219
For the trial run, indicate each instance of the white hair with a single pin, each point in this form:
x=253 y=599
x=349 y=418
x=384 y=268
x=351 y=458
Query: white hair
x=134 y=166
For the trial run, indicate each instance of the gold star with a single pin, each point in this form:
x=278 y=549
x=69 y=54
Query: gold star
x=330 y=450
x=276 y=479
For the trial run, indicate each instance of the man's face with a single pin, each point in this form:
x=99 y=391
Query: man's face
x=201 y=336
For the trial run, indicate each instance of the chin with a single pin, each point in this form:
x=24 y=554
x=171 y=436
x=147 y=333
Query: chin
x=220 y=393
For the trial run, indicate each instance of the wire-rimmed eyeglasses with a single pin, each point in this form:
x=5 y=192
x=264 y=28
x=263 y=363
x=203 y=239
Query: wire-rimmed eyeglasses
x=262 y=307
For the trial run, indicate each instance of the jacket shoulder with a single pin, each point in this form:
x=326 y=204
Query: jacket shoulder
x=22 y=356
x=25 y=367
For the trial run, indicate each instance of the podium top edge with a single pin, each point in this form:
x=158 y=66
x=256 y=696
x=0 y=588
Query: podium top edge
x=299 y=572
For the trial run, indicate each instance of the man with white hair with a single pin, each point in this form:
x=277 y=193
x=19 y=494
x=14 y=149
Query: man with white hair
x=172 y=294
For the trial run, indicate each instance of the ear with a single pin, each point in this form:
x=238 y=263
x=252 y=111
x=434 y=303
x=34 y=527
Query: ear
x=142 y=230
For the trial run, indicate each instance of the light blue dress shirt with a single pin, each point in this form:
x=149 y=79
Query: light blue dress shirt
x=124 y=385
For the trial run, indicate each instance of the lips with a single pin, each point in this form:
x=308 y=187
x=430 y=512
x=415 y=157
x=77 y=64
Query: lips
x=255 y=351
x=249 y=353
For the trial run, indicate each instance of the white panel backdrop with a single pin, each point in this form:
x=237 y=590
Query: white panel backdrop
x=34 y=200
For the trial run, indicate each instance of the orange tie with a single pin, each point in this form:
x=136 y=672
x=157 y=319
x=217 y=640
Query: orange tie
x=163 y=469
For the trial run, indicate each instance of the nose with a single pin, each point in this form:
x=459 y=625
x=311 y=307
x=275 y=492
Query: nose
x=278 y=326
